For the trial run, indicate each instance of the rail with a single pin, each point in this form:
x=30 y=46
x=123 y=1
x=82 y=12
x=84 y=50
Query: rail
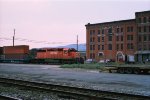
x=74 y=92
x=4 y=97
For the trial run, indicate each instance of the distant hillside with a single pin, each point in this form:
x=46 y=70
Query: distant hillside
x=81 y=47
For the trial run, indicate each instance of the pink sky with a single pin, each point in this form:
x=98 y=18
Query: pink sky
x=57 y=22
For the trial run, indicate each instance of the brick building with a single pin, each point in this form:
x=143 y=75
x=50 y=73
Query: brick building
x=118 y=40
x=1 y=52
x=143 y=34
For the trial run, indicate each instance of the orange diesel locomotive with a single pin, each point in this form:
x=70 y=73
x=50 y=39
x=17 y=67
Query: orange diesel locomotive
x=57 y=55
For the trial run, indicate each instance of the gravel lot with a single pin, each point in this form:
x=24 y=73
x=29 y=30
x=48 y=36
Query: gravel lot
x=126 y=83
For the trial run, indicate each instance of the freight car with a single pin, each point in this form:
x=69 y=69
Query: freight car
x=56 y=56
x=16 y=54
x=129 y=69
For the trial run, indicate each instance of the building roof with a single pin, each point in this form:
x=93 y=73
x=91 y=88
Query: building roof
x=113 y=22
x=143 y=12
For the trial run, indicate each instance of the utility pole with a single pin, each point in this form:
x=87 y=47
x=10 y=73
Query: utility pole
x=14 y=38
x=77 y=42
x=92 y=46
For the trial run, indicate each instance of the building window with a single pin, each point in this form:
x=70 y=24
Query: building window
x=98 y=32
x=122 y=38
x=90 y=32
x=128 y=29
x=90 y=47
x=93 y=47
x=129 y=37
x=93 y=32
x=121 y=46
x=144 y=28
x=144 y=20
x=117 y=30
x=130 y=46
x=144 y=47
x=139 y=29
x=109 y=38
x=117 y=38
x=145 y=38
x=109 y=46
x=110 y=30
x=102 y=39
x=139 y=20
x=98 y=39
x=90 y=39
x=131 y=28
x=98 y=47
x=92 y=55
x=93 y=39
x=102 y=31
x=140 y=38
x=100 y=54
x=117 y=47
x=121 y=29
x=102 y=47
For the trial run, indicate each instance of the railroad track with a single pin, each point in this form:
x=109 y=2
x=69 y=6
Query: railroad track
x=4 y=97
x=74 y=92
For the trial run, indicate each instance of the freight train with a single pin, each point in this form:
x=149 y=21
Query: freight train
x=22 y=54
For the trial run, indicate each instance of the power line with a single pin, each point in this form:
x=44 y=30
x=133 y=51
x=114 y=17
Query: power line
x=33 y=41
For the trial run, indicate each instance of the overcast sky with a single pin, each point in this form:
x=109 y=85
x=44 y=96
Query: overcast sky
x=49 y=23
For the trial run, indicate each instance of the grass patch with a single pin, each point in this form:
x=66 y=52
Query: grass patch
x=85 y=66
x=100 y=66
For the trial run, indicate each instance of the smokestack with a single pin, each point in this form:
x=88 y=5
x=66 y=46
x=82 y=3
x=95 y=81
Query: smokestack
x=77 y=42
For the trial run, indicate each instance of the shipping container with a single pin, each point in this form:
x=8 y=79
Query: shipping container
x=15 y=56
x=19 y=49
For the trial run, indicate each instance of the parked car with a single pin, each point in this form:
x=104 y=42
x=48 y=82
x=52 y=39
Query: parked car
x=104 y=61
x=90 y=61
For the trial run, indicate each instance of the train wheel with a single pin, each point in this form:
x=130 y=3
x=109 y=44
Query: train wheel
x=136 y=71
x=145 y=71
x=121 y=70
x=110 y=71
x=128 y=71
